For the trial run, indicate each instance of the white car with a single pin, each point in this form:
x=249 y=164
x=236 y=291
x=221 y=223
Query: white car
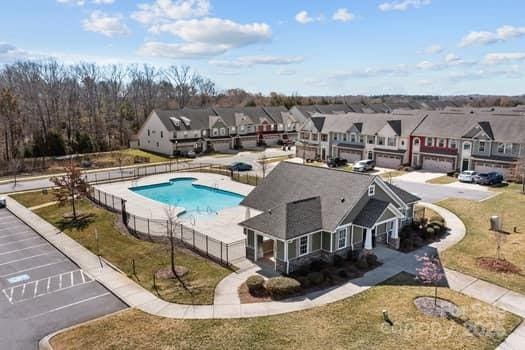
x=467 y=176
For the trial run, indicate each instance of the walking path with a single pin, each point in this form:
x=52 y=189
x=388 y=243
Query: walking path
x=227 y=303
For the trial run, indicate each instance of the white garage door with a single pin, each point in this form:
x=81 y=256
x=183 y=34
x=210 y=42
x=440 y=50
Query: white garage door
x=351 y=157
x=249 y=143
x=487 y=168
x=438 y=164
x=386 y=161
x=221 y=146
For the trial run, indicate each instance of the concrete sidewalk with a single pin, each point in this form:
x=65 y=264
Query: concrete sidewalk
x=227 y=303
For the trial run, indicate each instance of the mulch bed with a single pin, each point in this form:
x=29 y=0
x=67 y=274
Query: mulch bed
x=497 y=265
x=436 y=308
x=248 y=298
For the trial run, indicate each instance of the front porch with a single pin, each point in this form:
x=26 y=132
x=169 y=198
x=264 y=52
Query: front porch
x=286 y=256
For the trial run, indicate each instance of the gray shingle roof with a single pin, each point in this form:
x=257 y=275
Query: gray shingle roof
x=199 y=118
x=405 y=196
x=290 y=182
x=372 y=211
x=289 y=220
x=276 y=113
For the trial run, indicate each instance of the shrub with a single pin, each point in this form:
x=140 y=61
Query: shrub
x=371 y=260
x=338 y=260
x=417 y=242
x=315 y=278
x=305 y=282
x=342 y=273
x=317 y=265
x=282 y=287
x=352 y=268
x=352 y=255
x=362 y=264
x=255 y=284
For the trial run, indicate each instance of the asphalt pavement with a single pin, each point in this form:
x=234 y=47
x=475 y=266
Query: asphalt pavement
x=41 y=290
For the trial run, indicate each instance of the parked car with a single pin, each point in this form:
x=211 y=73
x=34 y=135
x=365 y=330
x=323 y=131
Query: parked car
x=492 y=178
x=467 y=176
x=240 y=166
x=364 y=165
x=2 y=202
x=336 y=162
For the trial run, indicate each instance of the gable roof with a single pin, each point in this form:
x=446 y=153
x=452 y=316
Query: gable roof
x=371 y=212
x=276 y=113
x=405 y=196
x=396 y=126
x=289 y=220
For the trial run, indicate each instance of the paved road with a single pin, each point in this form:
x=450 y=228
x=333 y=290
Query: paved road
x=42 y=291
x=246 y=157
x=435 y=193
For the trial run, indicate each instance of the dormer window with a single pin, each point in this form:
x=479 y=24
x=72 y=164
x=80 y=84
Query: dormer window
x=371 y=190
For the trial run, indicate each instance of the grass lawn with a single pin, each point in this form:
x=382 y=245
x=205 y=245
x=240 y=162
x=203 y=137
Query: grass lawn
x=393 y=173
x=442 y=180
x=120 y=249
x=354 y=323
x=32 y=199
x=480 y=242
x=273 y=159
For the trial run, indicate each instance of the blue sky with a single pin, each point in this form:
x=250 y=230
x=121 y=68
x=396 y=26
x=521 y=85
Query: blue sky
x=291 y=46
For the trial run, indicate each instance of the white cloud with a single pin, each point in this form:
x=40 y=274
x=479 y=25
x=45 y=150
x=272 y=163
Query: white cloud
x=503 y=57
x=424 y=82
x=403 y=5
x=217 y=31
x=427 y=65
x=507 y=32
x=105 y=24
x=503 y=33
x=10 y=53
x=248 y=61
x=433 y=49
x=453 y=59
x=72 y=2
x=163 y=11
x=343 y=15
x=182 y=50
x=103 y=2
x=303 y=17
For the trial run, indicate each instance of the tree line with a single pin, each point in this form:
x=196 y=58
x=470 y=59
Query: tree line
x=51 y=109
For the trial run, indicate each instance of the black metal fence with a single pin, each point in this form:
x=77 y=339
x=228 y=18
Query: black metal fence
x=157 y=230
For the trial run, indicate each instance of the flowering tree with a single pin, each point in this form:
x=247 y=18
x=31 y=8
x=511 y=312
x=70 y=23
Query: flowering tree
x=430 y=272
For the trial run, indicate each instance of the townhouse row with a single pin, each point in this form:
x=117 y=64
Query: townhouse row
x=218 y=129
x=445 y=141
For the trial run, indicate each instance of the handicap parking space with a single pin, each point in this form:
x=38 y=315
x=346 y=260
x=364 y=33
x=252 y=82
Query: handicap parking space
x=41 y=287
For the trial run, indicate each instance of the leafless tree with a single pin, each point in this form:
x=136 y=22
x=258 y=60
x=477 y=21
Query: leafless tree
x=184 y=82
x=69 y=187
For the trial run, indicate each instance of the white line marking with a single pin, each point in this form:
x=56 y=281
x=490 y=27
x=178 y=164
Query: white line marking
x=26 y=258
x=83 y=277
x=35 y=268
x=15 y=234
x=48 y=283
x=9 y=298
x=26 y=248
x=60 y=282
x=23 y=288
x=69 y=305
x=36 y=288
x=21 y=240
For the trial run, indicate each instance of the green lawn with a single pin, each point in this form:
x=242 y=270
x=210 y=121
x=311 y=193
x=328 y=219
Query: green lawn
x=32 y=199
x=390 y=174
x=153 y=157
x=120 y=248
x=353 y=323
x=480 y=241
x=442 y=180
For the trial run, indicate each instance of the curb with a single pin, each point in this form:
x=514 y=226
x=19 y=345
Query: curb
x=45 y=342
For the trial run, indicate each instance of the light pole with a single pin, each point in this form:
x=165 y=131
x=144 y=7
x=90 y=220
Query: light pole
x=176 y=155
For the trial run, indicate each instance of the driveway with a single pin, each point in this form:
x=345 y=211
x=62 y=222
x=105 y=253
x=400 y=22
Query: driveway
x=434 y=193
x=41 y=290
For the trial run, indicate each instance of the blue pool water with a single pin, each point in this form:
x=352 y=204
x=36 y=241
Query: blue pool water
x=198 y=200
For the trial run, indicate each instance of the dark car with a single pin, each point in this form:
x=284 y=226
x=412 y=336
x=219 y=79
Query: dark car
x=492 y=178
x=336 y=162
x=240 y=166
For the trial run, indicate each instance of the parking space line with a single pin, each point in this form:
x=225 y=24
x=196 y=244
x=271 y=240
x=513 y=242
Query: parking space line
x=20 y=240
x=35 y=268
x=27 y=258
x=26 y=248
x=68 y=305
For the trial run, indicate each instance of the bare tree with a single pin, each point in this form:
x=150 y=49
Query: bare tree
x=15 y=165
x=184 y=82
x=69 y=187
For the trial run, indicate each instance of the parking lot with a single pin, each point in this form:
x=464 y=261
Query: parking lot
x=41 y=290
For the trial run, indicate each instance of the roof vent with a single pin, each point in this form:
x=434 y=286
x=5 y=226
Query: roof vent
x=186 y=121
x=270 y=211
x=342 y=199
x=175 y=121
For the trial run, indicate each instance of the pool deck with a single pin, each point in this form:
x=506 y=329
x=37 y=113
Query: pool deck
x=223 y=226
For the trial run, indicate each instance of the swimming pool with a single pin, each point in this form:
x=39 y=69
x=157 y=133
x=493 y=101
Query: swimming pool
x=197 y=200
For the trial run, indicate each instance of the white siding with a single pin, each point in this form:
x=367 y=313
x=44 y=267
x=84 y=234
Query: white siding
x=154 y=142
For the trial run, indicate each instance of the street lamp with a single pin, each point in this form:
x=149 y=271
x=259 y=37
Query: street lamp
x=176 y=155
